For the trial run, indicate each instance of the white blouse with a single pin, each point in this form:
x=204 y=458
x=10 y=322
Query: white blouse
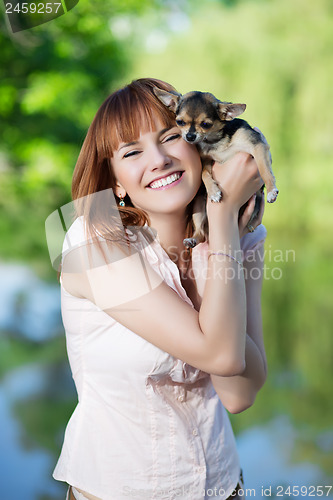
x=147 y=425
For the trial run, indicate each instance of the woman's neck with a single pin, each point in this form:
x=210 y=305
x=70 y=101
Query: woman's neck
x=171 y=231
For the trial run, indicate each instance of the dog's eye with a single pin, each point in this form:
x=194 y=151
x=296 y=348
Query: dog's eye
x=206 y=125
x=180 y=123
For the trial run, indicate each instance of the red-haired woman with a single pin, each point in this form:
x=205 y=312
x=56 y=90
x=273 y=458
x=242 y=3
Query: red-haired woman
x=161 y=340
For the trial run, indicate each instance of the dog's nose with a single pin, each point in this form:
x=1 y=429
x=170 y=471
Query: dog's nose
x=190 y=137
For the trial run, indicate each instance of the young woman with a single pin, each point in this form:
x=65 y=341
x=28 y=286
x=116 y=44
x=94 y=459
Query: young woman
x=160 y=340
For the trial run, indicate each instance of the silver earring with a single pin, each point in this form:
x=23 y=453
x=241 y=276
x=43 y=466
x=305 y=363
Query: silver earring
x=121 y=203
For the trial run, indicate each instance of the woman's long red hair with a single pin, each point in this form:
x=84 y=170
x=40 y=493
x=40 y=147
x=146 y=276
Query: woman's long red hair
x=121 y=118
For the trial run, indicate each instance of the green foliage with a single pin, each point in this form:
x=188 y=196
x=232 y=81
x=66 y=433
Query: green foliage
x=16 y=352
x=54 y=78
x=43 y=419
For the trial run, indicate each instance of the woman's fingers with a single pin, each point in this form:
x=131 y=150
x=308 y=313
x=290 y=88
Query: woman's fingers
x=249 y=210
x=250 y=207
x=245 y=217
x=262 y=208
x=238 y=177
x=257 y=220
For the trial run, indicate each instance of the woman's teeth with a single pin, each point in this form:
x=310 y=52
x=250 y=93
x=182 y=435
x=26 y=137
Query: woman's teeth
x=167 y=180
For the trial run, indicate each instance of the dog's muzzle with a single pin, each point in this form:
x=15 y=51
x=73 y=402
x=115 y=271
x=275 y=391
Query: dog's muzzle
x=190 y=137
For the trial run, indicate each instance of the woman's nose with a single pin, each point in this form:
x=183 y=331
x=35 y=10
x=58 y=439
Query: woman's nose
x=159 y=157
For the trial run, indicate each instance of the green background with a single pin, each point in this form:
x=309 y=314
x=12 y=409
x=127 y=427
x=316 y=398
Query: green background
x=274 y=55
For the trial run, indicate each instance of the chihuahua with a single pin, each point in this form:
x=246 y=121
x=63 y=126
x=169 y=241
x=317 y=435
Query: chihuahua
x=212 y=125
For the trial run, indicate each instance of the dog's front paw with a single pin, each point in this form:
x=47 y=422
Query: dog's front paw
x=272 y=195
x=190 y=242
x=216 y=197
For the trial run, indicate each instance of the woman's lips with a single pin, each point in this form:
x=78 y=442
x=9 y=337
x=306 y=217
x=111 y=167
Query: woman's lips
x=168 y=185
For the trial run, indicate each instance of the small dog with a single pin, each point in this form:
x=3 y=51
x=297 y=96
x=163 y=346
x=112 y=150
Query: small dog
x=212 y=125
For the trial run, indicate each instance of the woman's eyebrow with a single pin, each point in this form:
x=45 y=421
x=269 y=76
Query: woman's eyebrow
x=165 y=130
x=136 y=142
x=128 y=144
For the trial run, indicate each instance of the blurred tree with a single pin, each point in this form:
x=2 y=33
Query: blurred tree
x=53 y=79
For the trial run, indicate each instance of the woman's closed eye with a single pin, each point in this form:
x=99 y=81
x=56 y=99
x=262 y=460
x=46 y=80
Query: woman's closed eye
x=131 y=153
x=171 y=137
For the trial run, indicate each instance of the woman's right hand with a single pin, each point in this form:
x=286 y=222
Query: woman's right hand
x=238 y=178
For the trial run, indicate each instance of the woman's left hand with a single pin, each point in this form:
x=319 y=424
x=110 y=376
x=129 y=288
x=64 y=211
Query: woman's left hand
x=244 y=219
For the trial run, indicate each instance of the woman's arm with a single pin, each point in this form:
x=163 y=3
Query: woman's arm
x=238 y=393
x=133 y=294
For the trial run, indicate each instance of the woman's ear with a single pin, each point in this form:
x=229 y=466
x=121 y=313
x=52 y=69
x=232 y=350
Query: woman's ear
x=119 y=190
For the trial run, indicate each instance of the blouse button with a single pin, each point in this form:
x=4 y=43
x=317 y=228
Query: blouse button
x=195 y=432
x=182 y=394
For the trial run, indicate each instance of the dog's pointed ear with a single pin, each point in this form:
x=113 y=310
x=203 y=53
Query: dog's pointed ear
x=169 y=99
x=228 y=110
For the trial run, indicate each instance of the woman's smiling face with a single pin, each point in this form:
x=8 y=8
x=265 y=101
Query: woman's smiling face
x=160 y=153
